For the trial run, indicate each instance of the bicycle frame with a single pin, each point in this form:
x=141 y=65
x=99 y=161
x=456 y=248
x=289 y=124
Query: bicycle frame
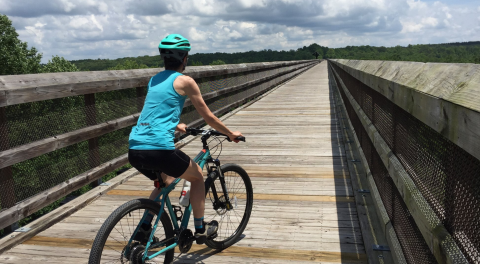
x=201 y=159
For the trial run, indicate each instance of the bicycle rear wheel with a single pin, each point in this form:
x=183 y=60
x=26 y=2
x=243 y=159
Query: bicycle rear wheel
x=111 y=241
x=233 y=213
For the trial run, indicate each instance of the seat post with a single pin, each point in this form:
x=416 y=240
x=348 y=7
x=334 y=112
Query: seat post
x=160 y=183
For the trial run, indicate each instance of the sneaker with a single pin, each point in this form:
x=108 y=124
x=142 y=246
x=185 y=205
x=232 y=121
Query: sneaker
x=210 y=230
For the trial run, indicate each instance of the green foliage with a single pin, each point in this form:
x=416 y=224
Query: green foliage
x=105 y=64
x=15 y=57
x=217 y=62
x=199 y=59
x=466 y=52
x=128 y=65
x=196 y=63
x=330 y=54
x=59 y=64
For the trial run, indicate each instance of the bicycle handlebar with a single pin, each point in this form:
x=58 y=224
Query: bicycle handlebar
x=195 y=132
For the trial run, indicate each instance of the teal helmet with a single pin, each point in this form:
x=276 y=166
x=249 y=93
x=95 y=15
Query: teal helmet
x=174 y=46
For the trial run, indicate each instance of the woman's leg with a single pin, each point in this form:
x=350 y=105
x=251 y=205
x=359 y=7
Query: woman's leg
x=193 y=174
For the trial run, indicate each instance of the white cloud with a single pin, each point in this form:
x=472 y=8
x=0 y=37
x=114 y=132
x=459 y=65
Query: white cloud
x=120 y=28
x=96 y=23
x=36 y=32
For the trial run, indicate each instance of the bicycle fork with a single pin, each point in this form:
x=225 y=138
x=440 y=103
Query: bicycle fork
x=211 y=177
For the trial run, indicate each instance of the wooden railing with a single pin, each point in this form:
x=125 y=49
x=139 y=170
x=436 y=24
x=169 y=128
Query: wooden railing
x=417 y=124
x=24 y=136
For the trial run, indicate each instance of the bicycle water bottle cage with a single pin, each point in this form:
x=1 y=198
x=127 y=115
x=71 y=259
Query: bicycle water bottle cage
x=176 y=210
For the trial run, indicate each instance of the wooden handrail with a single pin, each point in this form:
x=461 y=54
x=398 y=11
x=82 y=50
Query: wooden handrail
x=18 y=89
x=40 y=147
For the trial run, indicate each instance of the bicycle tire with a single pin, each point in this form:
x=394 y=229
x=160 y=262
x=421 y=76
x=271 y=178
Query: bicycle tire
x=223 y=241
x=111 y=222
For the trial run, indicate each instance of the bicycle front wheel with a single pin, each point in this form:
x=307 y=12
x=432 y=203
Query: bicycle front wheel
x=233 y=213
x=111 y=242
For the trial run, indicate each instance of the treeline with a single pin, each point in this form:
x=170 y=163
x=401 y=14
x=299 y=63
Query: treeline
x=199 y=59
x=458 y=52
x=465 y=52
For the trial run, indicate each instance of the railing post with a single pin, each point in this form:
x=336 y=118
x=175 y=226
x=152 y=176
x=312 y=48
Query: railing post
x=7 y=184
x=91 y=119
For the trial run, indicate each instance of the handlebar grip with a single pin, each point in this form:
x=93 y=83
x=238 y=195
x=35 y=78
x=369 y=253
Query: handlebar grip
x=240 y=138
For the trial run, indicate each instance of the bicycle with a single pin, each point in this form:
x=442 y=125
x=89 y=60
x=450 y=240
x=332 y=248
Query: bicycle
x=225 y=199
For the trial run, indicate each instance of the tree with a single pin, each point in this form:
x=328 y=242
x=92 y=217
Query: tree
x=330 y=54
x=59 y=64
x=15 y=57
x=217 y=62
x=197 y=63
x=128 y=65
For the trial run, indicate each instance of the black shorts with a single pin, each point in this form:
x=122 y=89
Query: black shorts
x=171 y=162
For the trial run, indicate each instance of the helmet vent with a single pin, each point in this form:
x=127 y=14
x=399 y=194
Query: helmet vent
x=168 y=43
x=177 y=38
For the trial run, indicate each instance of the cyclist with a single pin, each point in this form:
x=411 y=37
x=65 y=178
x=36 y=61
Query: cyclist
x=152 y=139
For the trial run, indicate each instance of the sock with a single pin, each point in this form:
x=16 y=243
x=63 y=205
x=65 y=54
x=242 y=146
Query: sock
x=147 y=222
x=199 y=227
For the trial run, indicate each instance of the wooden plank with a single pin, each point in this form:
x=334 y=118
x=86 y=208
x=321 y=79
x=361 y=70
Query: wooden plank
x=252 y=252
x=277 y=197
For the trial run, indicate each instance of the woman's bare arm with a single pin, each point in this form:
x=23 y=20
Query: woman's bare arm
x=188 y=86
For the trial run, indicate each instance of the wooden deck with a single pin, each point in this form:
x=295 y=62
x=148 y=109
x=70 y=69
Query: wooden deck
x=303 y=210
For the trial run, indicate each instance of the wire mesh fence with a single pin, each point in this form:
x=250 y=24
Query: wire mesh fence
x=447 y=176
x=30 y=123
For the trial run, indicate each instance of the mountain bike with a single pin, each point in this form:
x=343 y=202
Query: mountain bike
x=229 y=200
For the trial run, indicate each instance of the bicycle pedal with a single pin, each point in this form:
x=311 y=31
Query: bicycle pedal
x=201 y=240
x=213 y=236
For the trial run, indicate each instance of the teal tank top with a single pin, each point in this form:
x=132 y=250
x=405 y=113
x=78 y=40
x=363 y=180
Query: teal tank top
x=160 y=115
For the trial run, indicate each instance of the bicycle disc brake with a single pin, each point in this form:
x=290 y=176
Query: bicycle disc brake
x=185 y=240
x=222 y=206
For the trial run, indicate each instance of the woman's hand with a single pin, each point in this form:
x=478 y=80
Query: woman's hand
x=181 y=128
x=234 y=135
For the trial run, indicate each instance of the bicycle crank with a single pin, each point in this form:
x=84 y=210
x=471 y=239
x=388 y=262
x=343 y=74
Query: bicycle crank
x=185 y=240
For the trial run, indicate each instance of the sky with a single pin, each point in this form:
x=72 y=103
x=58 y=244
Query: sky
x=91 y=29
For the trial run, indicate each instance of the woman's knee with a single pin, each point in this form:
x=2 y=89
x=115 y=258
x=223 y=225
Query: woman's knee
x=193 y=173
x=198 y=174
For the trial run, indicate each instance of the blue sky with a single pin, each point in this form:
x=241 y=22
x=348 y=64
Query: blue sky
x=111 y=29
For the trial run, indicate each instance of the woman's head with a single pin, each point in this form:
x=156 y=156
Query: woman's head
x=174 y=50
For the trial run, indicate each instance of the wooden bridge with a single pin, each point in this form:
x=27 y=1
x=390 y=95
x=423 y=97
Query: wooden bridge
x=304 y=209
x=351 y=161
